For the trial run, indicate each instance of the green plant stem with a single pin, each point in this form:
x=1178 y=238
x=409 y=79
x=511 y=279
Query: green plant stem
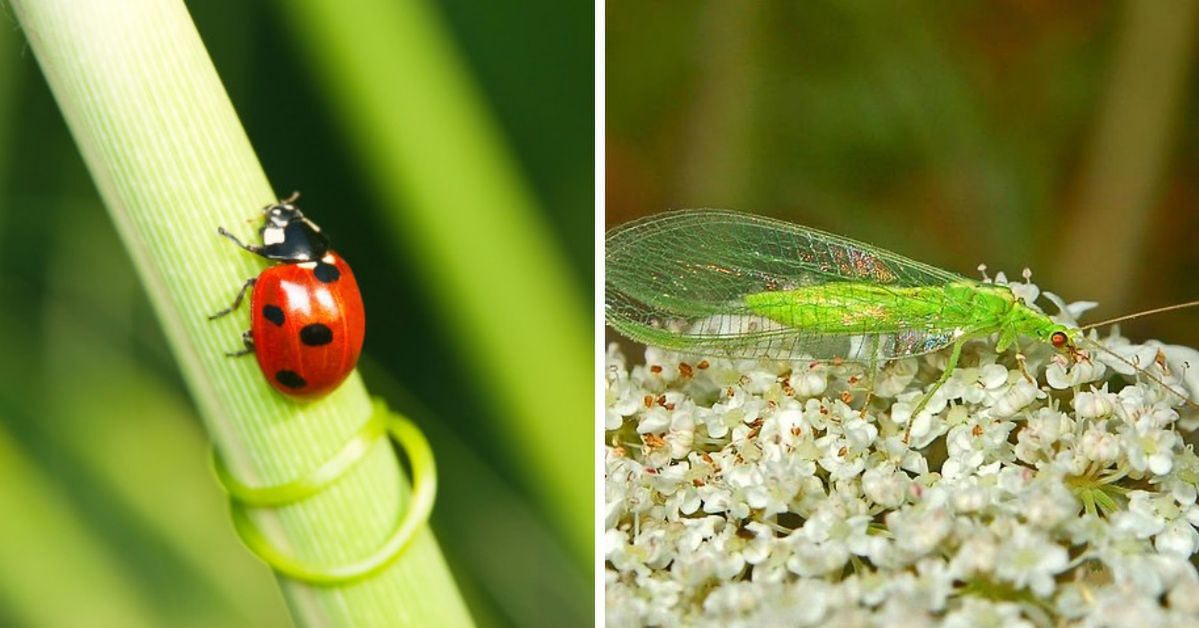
x=462 y=214
x=171 y=161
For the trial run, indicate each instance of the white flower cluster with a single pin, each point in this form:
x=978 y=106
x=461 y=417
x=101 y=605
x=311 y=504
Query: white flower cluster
x=1036 y=489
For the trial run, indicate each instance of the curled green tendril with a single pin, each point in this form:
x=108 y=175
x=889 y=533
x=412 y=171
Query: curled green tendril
x=424 y=488
x=313 y=483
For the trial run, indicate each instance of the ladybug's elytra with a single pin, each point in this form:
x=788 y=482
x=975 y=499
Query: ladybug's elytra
x=307 y=322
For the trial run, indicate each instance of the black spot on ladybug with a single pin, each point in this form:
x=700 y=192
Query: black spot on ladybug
x=327 y=273
x=316 y=334
x=273 y=314
x=291 y=379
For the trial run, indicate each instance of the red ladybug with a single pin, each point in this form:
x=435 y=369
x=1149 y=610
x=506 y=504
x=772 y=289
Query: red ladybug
x=307 y=323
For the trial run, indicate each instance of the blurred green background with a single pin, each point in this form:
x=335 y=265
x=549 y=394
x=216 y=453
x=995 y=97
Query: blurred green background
x=111 y=516
x=1059 y=136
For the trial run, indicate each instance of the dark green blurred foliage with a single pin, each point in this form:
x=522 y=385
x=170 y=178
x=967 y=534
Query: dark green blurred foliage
x=71 y=306
x=1058 y=136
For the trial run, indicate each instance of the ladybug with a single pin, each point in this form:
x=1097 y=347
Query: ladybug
x=307 y=323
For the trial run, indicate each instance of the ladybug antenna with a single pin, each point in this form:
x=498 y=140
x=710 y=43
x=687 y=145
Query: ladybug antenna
x=1168 y=308
x=295 y=195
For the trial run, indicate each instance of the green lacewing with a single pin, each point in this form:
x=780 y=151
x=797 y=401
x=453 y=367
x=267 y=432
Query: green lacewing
x=717 y=282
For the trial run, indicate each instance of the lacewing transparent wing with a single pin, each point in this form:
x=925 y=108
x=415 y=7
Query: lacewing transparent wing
x=717 y=282
x=720 y=283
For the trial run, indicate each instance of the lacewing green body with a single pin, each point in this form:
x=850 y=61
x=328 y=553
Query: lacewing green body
x=722 y=283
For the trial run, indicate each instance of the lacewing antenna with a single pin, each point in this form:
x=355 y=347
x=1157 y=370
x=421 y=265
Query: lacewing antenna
x=1186 y=398
x=1168 y=308
x=1138 y=368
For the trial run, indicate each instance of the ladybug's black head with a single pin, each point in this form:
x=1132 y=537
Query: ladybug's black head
x=288 y=236
x=279 y=214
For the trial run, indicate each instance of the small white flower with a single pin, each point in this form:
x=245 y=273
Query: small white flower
x=969 y=494
x=1016 y=396
x=1141 y=519
x=924 y=426
x=1184 y=364
x=1099 y=445
x=885 y=486
x=677 y=484
x=981 y=383
x=1028 y=559
x=811 y=381
x=655 y=419
x=1183 y=480
x=976 y=555
x=920 y=528
x=772 y=486
x=643 y=552
x=621 y=398
x=1184 y=597
x=661 y=369
x=703 y=553
x=758 y=381
x=1131 y=357
x=672 y=431
x=838 y=458
x=1039 y=439
x=786 y=428
x=764 y=493
x=754 y=542
x=980 y=613
x=972 y=444
x=1048 y=503
x=817 y=559
x=927 y=591
x=736 y=410
x=1178 y=538
x=1117 y=607
x=1094 y=404
x=659 y=598
x=1066 y=372
x=896 y=376
x=1150 y=449
x=1069 y=314
x=1026 y=290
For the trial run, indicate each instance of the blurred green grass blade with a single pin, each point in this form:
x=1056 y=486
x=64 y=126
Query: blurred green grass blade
x=121 y=449
x=172 y=524
x=45 y=550
x=166 y=540
x=171 y=160
x=552 y=590
x=460 y=211
x=8 y=98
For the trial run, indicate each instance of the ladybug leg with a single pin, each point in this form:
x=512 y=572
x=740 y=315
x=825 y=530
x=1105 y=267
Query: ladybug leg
x=246 y=339
x=241 y=294
x=253 y=248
